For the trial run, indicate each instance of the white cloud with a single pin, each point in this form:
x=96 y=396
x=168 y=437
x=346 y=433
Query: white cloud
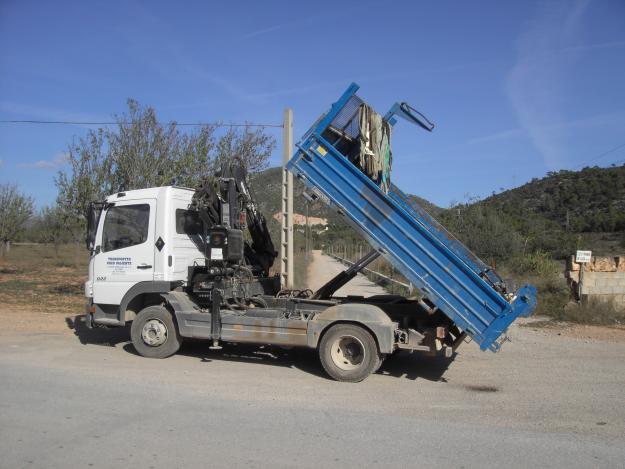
x=41 y=164
x=260 y=32
x=309 y=19
x=501 y=135
x=610 y=119
x=59 y=160
x=534 y=82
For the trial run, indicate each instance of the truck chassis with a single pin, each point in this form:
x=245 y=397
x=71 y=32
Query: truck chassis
x=353 y=335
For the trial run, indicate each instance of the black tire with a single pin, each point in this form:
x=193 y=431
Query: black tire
x=349 y=353
x=154 y=333
x=382 y=360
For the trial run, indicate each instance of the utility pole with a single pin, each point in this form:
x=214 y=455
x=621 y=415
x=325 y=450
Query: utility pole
x=286 y=233
x=308 y=232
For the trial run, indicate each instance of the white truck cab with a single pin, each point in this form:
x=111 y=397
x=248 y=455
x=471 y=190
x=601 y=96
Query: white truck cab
x=140 y=246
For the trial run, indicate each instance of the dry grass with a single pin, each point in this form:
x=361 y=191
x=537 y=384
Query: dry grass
x=36 y=278
x=554 y=294
x=594 y=312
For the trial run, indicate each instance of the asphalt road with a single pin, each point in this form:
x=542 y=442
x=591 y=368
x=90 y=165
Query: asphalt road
x=77 y=398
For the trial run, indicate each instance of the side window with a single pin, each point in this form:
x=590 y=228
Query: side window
x=188 y=222
x=125 y=226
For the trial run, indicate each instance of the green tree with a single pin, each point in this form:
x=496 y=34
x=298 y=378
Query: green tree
x=15 y=210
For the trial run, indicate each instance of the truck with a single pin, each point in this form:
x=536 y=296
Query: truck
x=180 y=263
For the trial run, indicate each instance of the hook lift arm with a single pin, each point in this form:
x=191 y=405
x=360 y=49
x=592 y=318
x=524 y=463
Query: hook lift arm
x=407 y=112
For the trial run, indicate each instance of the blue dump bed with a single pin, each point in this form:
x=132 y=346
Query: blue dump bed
x=446 y=273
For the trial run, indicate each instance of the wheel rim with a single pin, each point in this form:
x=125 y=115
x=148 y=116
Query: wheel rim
x=154 y=333
x=348 y=352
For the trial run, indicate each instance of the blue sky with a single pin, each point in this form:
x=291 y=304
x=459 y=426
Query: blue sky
x=516 y=89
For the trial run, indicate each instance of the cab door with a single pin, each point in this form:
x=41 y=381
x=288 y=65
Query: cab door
x=125 y=255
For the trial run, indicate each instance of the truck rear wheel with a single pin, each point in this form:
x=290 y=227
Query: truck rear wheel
x=154 y=334
x=349 y=353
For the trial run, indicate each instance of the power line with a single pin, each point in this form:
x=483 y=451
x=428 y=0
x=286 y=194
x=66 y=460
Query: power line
x=601 y=155
x=210 y=124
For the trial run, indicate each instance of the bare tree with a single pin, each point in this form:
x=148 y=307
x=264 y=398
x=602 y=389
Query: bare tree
x=51 y=227
x=89 y=178
x=141 y=152
x=146 y=153
x=15 y=210
x=251 y=148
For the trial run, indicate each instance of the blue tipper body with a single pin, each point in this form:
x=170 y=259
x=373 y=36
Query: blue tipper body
x=443 y=269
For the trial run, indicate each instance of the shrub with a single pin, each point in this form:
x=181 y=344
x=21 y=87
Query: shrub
x=594 y=311
x=538 y=263
x=553 y=295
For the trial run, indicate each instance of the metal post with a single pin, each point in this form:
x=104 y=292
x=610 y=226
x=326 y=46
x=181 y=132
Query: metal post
x=580 y=284
x=307 y=231
x=286 y=233
x=216 y=318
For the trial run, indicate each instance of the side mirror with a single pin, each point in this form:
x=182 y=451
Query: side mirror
x=93 y=217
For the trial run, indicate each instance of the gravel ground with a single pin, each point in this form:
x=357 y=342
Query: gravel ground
x=323 y=268
x=78 y=398
x=71 y=397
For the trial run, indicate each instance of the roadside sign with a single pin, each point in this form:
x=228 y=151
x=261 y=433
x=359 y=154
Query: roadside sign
x=583 y=257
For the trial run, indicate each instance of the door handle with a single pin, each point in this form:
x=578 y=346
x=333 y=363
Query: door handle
x=144 y=266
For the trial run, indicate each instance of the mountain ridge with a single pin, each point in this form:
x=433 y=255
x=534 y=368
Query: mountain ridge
x=558 y=213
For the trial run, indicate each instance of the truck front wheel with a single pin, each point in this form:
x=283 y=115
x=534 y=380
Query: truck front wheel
x=349 y=353
x=154 y=334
